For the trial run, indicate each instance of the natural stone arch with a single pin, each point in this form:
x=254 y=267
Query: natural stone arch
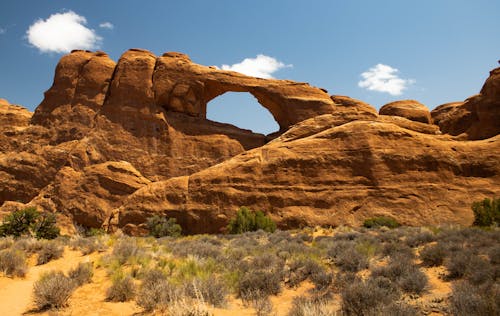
x=182 y=86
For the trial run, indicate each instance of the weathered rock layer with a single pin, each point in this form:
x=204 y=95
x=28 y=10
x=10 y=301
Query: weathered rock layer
x=114 y=143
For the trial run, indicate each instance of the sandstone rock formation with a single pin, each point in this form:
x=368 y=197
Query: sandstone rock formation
x=410 y=109
x=478 y=117
x=114 y=143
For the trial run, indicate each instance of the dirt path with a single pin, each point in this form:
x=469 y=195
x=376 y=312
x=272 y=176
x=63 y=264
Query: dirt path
x=16 y=293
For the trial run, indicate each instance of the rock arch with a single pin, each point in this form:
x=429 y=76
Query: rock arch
x=183 y=86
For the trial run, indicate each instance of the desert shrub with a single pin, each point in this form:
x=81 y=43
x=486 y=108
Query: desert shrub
x=413 y=281
x=13 y=262
x=363 y=297
x=213 y=290
x=247 y=220
x=321 y=280
x=50 y=250
x=82 y=273
x=420 y=238
x=52 y=290
x=458 y=263
x=470 y=300
x=379 y=221
x=404 y=273
x=122 y=289
x=305 y=306
x=349 y=236
x=399 y=248
x=197 y=248
x=85 y=245
x=345 y=256
x=343 y=279
x=351 y=260
x=28 y=245
x=433 y=255
x=125 y=248
x=161 y=226
x=155 y=291
x=299 y=269
x=263 y=306
x=396 y=309
x=6 y=242
x=30 y=222
x=479 y=271
x=185 y=306
x=486 y=212
x=259 y=282
x=494 y=254
x=368 y=246
x=279 y=236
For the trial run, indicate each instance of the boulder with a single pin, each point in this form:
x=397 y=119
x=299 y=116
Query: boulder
x=410 y=109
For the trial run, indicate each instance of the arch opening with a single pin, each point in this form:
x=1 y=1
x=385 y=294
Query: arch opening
x=242 y=110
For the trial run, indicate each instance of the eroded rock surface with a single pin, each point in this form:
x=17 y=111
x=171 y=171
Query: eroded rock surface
x=478 y=117
x=114 y=143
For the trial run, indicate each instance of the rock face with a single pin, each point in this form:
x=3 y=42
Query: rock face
x=410 y=109
x=478 y=117
x=114 y=143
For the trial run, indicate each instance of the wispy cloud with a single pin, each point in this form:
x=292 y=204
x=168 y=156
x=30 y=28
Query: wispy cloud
x=61 y=33
x=384 y=78
x=2 y=30
x=107 y=25
x=261 y=66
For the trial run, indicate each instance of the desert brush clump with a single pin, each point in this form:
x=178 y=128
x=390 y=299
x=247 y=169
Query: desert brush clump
x=50 y=250
x=247 y=220
x=82 y=274
x=13 y=262
x=318 y=306
x=402 y=271
x=433 y=255
x=30 y=222
x=53 y=290
x=122 y=289
x=155 y=291
x=364 y=297
x=470 y=300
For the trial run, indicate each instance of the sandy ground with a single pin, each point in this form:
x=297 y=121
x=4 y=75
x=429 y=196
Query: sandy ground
x=15 y=293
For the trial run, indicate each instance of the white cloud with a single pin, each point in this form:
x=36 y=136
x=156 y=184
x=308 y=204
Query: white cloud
x=2 y=31
x=261 y=66
x=61 y=33
x=384 y=78
x=107 y=25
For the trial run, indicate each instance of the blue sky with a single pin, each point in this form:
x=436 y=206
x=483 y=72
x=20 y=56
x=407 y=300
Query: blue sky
x=442 y=50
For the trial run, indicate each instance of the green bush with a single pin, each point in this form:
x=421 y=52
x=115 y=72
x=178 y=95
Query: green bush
x=486 y=212
x=161 y=227
x=30 y=222
x=247 y=221
x=380 y=221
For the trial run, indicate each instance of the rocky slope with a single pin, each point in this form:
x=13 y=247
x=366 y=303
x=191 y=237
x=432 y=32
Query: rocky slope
x=112 y=144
